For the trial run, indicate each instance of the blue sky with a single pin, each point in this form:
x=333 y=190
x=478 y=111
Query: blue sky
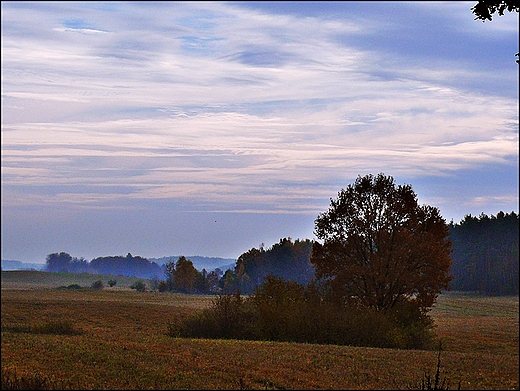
x=208 y=128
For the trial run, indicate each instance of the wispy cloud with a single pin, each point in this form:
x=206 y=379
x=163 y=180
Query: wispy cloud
x=245 y=107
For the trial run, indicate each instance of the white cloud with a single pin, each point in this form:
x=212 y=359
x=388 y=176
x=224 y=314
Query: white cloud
x=113 y=105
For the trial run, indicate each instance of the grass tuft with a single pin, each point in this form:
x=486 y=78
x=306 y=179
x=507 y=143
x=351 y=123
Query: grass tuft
x=12 y=381
x=56 y=327
x=436 y=383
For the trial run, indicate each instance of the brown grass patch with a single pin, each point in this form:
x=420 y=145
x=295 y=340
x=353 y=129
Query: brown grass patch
x=124 y=346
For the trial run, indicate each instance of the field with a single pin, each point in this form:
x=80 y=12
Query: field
x=26 y=279
x=119 y=341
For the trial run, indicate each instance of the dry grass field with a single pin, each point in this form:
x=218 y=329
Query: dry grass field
x=120 y=342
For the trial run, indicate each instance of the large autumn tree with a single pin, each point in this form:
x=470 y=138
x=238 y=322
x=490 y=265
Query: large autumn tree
x=378 y=247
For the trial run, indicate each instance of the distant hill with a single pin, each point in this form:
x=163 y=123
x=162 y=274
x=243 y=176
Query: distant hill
x=208 y=263
x=17 y=265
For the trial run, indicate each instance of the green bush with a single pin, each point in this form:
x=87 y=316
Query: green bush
x=11 y=381
x=112 y=283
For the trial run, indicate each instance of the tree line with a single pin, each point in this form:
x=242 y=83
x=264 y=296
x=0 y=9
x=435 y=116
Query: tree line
x=484 y=253
x=116 y=265
x=484 y=259
x=287 y=259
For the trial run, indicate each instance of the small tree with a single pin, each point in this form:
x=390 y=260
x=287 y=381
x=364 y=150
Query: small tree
x=58 y=262
x=380 y=247
x=229 y=282
x=139 y=286
x=163 y=286
x=185 y=276
x=169 y=273
x=98 y=285
x=154 y=283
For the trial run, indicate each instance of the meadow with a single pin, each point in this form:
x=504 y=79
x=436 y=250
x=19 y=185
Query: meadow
x=115 y=338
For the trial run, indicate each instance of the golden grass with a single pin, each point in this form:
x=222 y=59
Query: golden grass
x=473 y=324
x=123 y=345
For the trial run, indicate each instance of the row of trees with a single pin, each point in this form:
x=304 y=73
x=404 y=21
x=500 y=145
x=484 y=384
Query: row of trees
x=484 y=258
x=176 y=276
x=182 y=276
x=116 y=265
x=485 y=254
x=376 y=245
x=287 y=260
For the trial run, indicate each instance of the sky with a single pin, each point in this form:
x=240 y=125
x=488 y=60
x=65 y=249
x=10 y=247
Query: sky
x=210 y=128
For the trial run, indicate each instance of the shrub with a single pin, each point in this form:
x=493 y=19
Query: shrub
x=70 y=287
x=57 y=327
x=282 y=310
x=139 y=286
x=112 y=283
x=97 y=285
x=11 y=381
x=162 y=287
x=36 y=381
x=435 y=383
x=229 y=317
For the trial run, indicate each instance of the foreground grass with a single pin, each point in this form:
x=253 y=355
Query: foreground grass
x=121 y=343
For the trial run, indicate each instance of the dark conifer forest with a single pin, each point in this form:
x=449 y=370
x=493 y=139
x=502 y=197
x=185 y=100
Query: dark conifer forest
x=485 y=254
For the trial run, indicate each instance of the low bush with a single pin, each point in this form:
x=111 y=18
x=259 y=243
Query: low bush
x=56 y=327
x=139 y=286
x=282 y=310
x=69 y=287
x=229 y=317
x=98 y=285
x=11 y=380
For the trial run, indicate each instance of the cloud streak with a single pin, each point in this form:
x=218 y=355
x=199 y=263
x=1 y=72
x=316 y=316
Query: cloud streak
x=232 y=107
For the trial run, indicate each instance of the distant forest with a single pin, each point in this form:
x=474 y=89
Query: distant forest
x=485 y=260
x=485 y=254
